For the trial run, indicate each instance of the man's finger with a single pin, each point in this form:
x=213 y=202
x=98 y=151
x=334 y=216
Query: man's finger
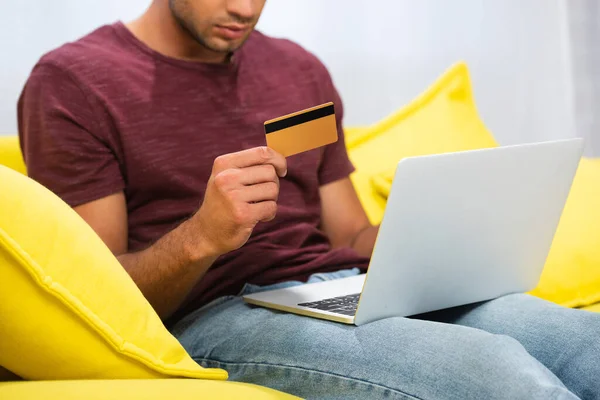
x=264 y=211
x=261 y=192
x=258 y=174
x=251 y=157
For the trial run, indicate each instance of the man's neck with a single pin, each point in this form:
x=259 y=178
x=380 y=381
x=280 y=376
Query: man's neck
x=158 y=29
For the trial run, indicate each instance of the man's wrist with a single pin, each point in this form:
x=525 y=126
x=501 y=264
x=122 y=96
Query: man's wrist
x=196 y=245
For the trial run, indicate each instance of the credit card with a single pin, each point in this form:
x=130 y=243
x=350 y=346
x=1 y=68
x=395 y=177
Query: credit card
x=303 y=130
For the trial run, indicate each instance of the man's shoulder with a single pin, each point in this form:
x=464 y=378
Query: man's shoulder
x=285 y=52
x=93 y=52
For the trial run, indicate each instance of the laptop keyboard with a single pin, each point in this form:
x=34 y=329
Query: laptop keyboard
x=345 y=305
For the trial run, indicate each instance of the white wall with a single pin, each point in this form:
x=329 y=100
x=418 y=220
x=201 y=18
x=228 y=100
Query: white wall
x=381 y=53
x=29 y=28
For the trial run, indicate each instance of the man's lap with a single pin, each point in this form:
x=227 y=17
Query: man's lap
x=395 y=357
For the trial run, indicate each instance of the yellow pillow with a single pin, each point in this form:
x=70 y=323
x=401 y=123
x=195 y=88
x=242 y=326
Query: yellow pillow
x=571 y=275
x=10 y=153
x=68 y=310
x=593 y=307
x=443 y=119
x=157 y=389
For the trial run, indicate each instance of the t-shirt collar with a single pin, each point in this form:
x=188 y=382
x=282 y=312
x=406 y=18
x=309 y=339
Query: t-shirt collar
x=233 y=64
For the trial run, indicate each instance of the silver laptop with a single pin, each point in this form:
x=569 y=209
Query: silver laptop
x=458 y=228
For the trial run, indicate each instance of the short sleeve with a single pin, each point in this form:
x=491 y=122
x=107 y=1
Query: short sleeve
x=65 y=141
x=335 y=164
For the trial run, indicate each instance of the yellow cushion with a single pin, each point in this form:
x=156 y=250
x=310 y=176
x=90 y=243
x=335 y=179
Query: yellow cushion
x=158 y=389
x=443 y=119
x=593 y=307
x=571 y=276
x=352 y=133
x=10 y=153
x=68 y=310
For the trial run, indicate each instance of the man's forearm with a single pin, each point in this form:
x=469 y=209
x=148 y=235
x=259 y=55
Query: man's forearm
x=364 y=241
x=168 y=270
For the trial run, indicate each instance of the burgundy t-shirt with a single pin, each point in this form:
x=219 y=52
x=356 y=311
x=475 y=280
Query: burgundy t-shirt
x=107 y=114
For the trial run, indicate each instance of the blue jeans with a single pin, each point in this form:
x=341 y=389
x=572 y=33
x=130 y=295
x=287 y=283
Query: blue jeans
x=514 y=347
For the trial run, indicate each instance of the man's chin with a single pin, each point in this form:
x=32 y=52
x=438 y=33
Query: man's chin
x=227 y=46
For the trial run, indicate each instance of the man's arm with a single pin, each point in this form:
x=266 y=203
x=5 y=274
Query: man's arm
x=242 y=191
x=166 y=271
x=343 y=218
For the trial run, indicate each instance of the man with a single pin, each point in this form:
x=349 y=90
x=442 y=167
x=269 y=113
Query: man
x=153 y=132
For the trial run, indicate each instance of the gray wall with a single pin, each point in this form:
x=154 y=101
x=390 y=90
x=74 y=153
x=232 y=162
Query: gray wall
x=584 y=31
x=381 y=53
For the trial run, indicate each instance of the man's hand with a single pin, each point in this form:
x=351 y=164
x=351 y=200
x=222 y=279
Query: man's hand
x=242 y=190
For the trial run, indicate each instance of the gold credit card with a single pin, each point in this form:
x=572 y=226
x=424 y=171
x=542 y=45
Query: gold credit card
x=303 y=130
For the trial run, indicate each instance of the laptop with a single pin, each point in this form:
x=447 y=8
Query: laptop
x=458 y=228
